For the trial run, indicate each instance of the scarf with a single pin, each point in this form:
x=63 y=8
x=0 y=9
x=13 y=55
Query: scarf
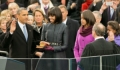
x=84 y=32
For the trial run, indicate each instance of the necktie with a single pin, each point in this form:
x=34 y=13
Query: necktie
x=109 y=15
x=46 y=9
x=25 y=32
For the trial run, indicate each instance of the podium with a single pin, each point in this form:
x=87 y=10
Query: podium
x=10 y=64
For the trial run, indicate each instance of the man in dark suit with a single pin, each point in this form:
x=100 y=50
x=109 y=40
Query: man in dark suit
x=5 y=5
x=100 y=47
x=108 y=10
x=96 y=5
x=74 y=8
x=73 y=26
x=20 y=36
x=117 y=15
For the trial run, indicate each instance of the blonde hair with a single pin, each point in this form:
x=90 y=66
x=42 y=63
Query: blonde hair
x=11 y=5
x=5 y=12
x=2 y=18
x=39 y=10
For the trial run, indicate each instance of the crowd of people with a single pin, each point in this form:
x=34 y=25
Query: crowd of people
x=60 y=29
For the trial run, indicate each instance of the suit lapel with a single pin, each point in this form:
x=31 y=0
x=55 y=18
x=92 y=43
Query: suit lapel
x=19 y=31
x=68 y=22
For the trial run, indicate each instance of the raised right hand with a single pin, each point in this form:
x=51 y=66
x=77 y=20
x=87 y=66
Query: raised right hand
x=13 y=26
x=104 y=6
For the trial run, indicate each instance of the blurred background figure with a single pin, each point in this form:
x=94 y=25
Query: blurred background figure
x=3 y=30
x=84 y=34
x=73 y=26
x=114 y=28
x=96 y=5
x=4 y=5
x=7 y=14
x=39 y=21
x=33 y=5
x=108 y=11
x=45 y=5
x=86 y=4
x=13 y=7
x=3 y=22
x=57 y=2
x=97 y=16
x=74 y=9
x=30 y=19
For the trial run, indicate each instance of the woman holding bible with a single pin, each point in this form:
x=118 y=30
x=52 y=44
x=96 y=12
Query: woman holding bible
x=54 y=42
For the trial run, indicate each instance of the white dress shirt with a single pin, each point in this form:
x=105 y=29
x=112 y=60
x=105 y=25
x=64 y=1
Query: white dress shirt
x=111 y=12
x=99 y=38
x=21 y=25
x=65 y=21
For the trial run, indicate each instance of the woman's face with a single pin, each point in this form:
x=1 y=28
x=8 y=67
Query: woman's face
x=8 y=17
x=38 y=17
x=52 y=19
x=3 y=25
x=109 y=28
x=83 y=21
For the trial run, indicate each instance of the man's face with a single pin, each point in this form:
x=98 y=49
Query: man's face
x=64 y=13
x=23 y=16
x=116 y=1
x=45 y=1
x=10 y=1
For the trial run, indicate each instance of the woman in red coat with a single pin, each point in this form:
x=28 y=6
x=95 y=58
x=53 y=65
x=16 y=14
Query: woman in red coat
x=86 y=4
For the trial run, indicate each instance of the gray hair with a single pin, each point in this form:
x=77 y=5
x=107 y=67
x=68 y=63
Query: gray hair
x=62 y=6
x=20 y=9
x=99 y=29
x=13 y=4
x=98 y=14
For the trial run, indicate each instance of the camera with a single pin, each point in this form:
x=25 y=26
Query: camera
x=109 y=3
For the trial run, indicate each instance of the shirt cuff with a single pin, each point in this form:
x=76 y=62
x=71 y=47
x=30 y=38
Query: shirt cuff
x=11 y=33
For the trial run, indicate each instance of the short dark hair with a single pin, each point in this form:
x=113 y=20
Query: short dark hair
x=89 y=17
x=115 y=26
x=99 y=29
x=55 y=11
x=20 y=9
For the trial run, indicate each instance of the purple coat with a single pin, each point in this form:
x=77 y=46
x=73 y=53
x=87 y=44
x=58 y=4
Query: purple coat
x=116 y=39
x=80 y=44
